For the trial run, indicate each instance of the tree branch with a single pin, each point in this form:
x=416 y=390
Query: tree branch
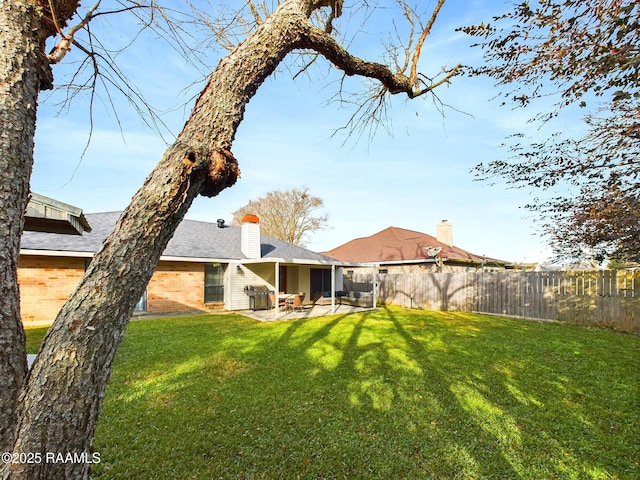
x=319 y=41
x=60 y=50
x=255 y=13
x=421 y=40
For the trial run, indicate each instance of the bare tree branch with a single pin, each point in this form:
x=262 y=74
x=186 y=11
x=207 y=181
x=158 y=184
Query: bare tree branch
x=394 y=83
x=61 y=49
x=255 y=13
x=417 y=51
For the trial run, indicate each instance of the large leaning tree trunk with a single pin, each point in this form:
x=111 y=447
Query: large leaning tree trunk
x=24 y=71
x=59 y=406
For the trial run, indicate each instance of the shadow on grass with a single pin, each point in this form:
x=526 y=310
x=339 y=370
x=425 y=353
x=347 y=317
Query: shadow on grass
x=520 y=415
x=385 y=394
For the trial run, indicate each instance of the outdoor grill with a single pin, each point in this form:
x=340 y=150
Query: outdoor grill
x=258 y=297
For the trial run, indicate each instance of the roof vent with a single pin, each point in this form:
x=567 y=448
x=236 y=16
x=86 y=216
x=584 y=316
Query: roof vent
x=220 y=222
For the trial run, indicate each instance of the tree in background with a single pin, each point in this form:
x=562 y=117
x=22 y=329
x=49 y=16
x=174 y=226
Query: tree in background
x=55 y=407
x=607 y=225
x=286 y=215
x=584 y=53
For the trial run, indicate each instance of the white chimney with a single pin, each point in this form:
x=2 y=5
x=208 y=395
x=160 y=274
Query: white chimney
x=250 y=236
x=444 y=233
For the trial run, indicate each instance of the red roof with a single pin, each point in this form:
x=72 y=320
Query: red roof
x=397 y=244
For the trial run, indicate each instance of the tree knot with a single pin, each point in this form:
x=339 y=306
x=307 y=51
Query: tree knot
x=223 y=171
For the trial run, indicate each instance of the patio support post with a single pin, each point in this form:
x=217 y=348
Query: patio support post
x=228 y=292
x=277 y=285
x=333 y=289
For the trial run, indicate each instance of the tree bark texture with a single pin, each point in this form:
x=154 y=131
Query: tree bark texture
x=21 y=73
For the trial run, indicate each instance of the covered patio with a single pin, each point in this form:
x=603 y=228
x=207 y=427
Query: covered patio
x=309 y=311
x=281 y=288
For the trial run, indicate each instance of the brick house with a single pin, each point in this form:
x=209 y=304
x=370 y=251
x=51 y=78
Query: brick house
x=206 y=266
x=397 y=250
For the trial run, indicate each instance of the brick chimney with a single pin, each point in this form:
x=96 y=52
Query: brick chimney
x=250 y=236
x=444 y=233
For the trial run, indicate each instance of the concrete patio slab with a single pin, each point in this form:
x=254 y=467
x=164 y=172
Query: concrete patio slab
x=307 y=312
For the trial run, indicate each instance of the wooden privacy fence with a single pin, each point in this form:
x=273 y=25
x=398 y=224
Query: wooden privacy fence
x=604 y=298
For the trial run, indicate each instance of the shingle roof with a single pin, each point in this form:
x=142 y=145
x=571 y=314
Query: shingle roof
x=395 y=244
x=192 y=239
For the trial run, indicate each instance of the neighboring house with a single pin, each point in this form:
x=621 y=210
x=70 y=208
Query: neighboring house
x=205 y=266
x=397 y=250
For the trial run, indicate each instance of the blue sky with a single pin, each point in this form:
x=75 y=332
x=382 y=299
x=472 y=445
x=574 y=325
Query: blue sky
x=411 y=179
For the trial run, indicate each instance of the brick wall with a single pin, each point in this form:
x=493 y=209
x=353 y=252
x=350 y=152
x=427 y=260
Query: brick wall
x=45 y=284
x=177 y=287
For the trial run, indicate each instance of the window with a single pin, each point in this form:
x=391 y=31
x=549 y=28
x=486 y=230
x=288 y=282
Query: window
x=213 y=283
x=141 y=306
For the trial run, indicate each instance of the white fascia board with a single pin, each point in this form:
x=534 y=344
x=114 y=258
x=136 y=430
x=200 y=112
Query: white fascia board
x=295 y=261
x=169 y=258
x=245 y=261
x=55 y=253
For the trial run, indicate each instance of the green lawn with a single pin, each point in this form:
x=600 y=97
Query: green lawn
x=388 y=394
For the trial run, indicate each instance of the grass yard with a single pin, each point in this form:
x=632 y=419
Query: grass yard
x=388 y=394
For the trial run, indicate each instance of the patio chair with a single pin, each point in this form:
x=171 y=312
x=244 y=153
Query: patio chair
x=297 y=300
x=282 y=302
